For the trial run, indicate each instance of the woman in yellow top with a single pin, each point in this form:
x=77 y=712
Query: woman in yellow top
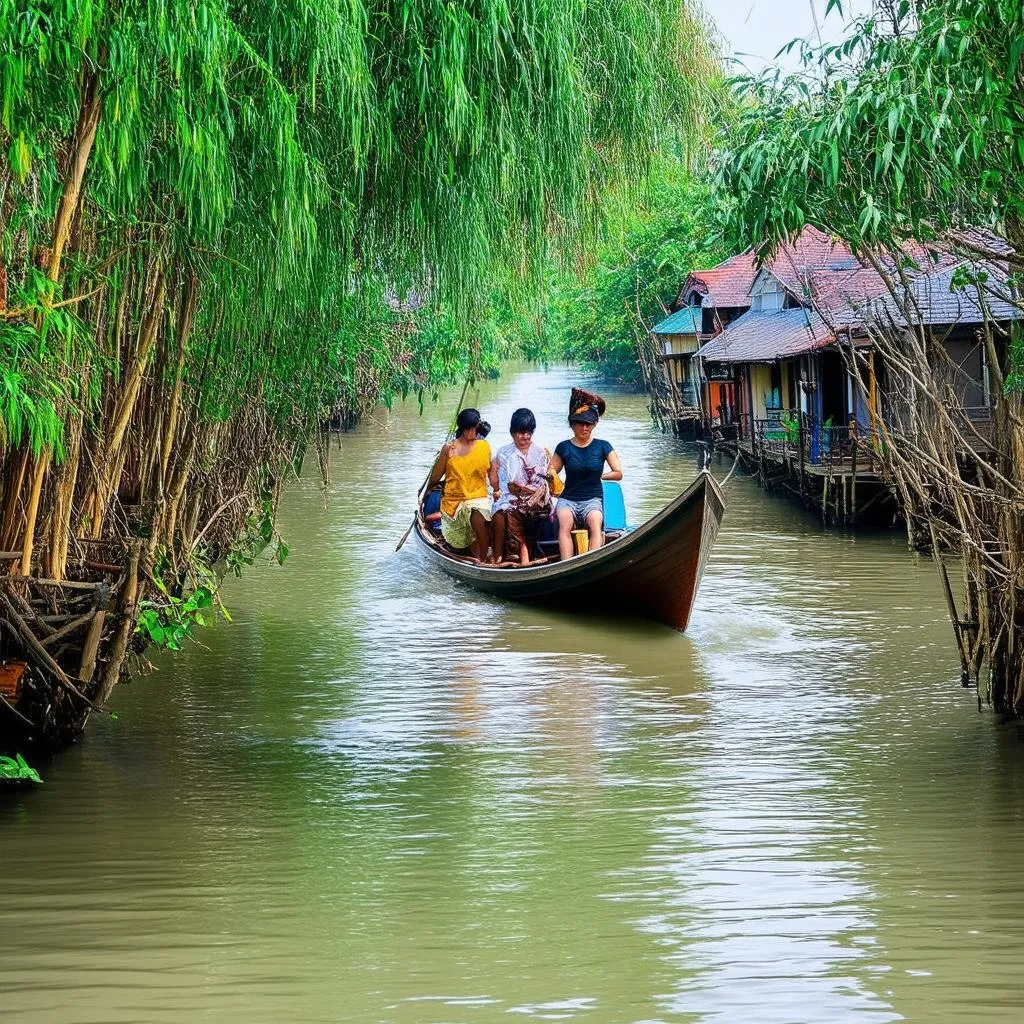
x=465 y=507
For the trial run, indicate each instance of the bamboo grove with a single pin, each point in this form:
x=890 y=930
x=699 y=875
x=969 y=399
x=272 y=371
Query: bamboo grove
x=910 y=132
x=206 y=212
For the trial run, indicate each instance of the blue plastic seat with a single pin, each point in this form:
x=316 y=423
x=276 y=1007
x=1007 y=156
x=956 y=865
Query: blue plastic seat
x=431 y=506
x=614 y=506
x=614 y=518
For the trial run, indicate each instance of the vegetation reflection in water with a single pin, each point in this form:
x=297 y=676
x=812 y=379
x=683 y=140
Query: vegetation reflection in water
x=378 y=796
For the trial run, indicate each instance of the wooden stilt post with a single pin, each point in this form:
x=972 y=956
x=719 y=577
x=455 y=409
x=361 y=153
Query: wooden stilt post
x=853 y=485
x=90 y=649
x=954 y=618
x=800 y=440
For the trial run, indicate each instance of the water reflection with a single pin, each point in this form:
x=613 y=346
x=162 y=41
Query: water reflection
x=380 y=796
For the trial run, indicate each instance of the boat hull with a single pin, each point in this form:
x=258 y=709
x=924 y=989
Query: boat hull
x=653 y=572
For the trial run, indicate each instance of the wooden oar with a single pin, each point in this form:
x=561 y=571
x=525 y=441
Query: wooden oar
x=426 y=480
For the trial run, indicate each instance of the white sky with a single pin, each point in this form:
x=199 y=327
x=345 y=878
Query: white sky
x=755 y=30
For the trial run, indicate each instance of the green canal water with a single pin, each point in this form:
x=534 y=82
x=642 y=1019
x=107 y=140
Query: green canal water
x=378 y=796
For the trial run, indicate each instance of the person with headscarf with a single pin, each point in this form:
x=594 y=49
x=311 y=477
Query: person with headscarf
x=465 y=463
x=524 y=497
x=583 y=457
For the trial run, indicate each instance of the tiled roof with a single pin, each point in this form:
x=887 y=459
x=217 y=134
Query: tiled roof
x=817 y=270
x=983 y=241
x=811 y=251
x=840 y=294
x=685 y=321
x=938 y=303
x=728 y=285
x=763 y=337
x=725 y=286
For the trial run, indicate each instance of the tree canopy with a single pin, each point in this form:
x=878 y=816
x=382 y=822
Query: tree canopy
x=292 y=159
x=913 y=128
x=223 y=222
x=913 y=125
x=596 y=315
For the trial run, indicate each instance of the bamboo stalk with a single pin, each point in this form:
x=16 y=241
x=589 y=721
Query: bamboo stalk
x=28 y=540
x=59 y=527
x=82 y=144
x=12 y=495
x=185 y=321
x=127 y=607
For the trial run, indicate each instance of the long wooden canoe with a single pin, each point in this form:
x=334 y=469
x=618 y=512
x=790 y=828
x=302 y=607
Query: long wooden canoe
x=653 y=571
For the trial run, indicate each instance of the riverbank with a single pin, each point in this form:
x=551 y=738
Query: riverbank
x=80 y=609
x=201 y=260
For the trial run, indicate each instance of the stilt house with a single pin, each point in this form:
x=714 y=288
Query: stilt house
x=779 y=361
x=679 y=336
x=712 y=299
x=774 y=365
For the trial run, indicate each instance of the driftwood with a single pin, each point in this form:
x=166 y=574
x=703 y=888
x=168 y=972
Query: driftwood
x=104 y=567
x=65 y=584
x=61 y=629
x=64 y=631
x=41 y=653
x=27 y=610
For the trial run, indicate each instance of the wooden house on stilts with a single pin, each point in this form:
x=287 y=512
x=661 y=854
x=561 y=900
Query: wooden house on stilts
x=786 y=370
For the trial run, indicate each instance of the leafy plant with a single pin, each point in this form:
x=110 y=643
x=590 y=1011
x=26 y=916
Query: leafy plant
x=169 y=623
x=16 y=769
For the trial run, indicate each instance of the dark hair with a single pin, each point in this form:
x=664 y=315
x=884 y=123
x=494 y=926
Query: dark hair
x=467 y=420
x=522 y=419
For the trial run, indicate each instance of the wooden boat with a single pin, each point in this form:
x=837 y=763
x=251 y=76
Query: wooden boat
x=652 y=571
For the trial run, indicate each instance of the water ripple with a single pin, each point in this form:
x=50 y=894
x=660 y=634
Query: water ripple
x=381 y=797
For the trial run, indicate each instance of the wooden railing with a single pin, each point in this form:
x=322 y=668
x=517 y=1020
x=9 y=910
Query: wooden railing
x=788 y=434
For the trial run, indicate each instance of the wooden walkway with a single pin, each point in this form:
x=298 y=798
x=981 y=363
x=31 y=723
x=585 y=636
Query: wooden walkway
x=844 y=489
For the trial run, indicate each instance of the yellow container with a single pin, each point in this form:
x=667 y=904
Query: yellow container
x=581 y=541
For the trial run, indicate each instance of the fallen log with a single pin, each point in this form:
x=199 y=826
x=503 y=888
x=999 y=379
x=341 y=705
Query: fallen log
x=69 y=628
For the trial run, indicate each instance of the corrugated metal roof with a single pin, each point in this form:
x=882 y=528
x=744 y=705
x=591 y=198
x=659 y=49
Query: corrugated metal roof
x=763 y=337
x=684 y=321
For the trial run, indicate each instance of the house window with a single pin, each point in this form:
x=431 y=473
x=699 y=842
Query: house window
x=768 y=296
